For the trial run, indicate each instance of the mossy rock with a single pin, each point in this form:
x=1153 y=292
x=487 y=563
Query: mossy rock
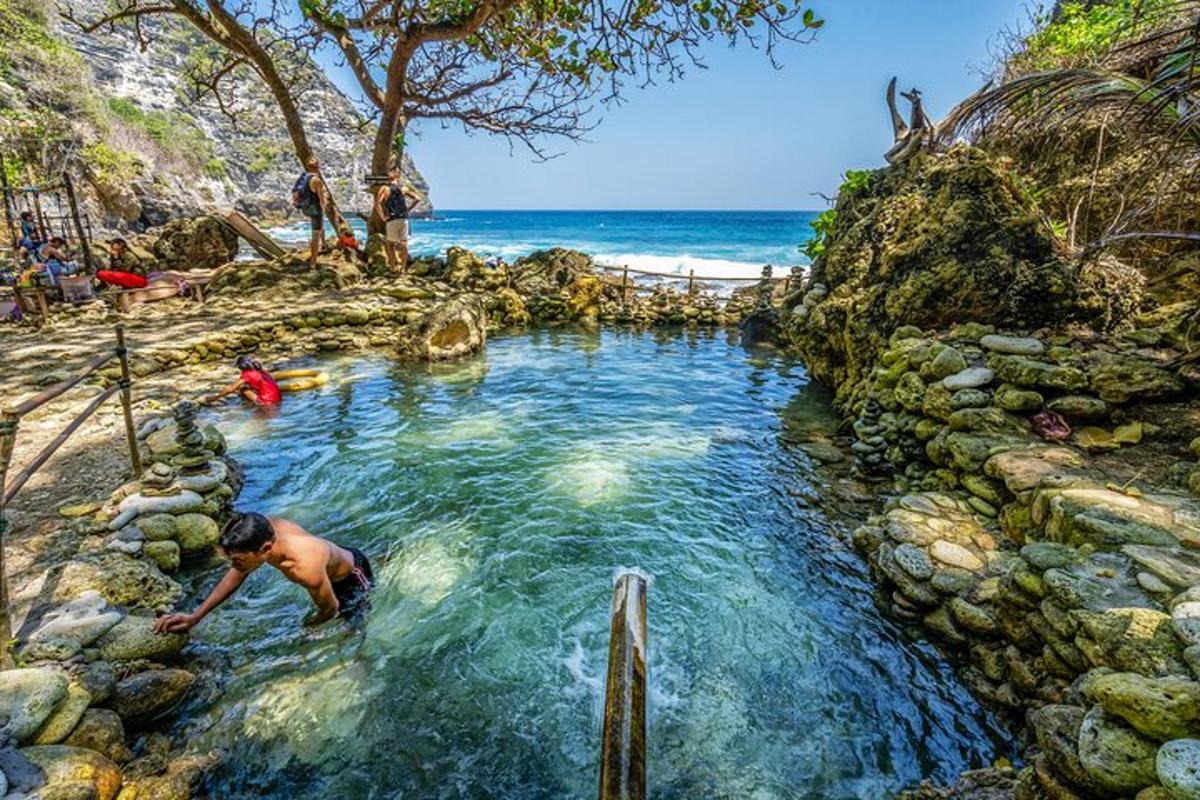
x=936 y=242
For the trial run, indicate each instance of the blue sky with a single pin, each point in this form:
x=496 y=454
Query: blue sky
x=741 y=134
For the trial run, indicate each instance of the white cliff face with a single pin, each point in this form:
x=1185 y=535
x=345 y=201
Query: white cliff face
x=248 y=164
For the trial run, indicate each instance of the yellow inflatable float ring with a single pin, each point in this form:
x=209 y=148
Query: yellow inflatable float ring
x=297 y=380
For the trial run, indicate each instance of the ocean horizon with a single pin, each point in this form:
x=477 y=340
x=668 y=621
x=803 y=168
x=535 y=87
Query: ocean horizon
x=710 y=243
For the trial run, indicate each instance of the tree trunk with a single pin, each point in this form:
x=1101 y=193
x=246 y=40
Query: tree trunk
x=242 y=41
x=384 y=152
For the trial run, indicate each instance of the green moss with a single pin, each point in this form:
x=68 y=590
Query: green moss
x=110 y=165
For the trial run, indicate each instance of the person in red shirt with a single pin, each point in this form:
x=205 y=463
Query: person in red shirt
x=255 y=384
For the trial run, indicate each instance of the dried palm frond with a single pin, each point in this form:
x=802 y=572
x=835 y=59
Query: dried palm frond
x=1158 y=90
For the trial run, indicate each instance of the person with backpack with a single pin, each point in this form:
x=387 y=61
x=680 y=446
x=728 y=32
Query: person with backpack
x=391 y=204
x=308 y=195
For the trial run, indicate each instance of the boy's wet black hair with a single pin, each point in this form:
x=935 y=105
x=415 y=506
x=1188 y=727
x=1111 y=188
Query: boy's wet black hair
x=246 y=362
x=246 y=533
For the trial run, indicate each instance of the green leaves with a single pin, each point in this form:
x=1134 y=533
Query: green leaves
x=810 y=20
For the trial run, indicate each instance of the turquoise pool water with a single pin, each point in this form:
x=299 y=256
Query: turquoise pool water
x=497 y=497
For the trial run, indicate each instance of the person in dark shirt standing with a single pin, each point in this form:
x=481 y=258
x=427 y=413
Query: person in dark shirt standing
x=309 y=196
x=391 y=204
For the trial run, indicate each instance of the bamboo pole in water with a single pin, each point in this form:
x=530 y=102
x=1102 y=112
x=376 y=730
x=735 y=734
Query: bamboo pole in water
x=623 y=749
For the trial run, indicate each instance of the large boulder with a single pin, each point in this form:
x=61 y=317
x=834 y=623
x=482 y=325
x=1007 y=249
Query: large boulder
x=547 y=272
x=27 y=699
x=454 y=329
x=935 y=242
x=1117 y=758
x=1160 y=708
x=120 y=579
x=196 y=243
x=288 y=273
x=74 y=772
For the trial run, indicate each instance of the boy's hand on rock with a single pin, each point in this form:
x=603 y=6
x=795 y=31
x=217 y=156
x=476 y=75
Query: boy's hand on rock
x=174 y=623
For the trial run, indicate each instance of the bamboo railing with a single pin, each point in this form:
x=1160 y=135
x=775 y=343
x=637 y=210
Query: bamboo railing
x=625 y=285
x=10 y=418
x=623 y=746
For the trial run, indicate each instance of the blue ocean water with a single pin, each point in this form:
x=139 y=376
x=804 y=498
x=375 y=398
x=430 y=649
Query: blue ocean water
x=723 y=244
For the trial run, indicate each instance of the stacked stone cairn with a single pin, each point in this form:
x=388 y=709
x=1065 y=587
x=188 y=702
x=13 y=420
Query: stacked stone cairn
x=1072 y=601
x=95 y=676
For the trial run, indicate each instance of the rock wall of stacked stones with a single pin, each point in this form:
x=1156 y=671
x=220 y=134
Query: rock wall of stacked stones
x=94 y=679
x=1073 y=602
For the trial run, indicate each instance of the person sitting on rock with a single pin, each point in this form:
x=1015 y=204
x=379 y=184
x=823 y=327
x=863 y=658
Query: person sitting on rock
x=338 y=579
x=54 y=259
x=124 y=268
x=255 y=384
x=347 y=242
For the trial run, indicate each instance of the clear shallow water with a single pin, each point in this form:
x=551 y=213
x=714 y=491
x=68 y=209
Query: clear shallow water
x=725 y=244
x=504 y=491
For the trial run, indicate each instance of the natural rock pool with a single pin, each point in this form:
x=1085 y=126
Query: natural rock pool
x=496 y=497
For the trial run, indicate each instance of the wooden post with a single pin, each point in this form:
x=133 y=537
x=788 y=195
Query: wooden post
x=79 y=234
x=9 y=203
x=43 y=308
x=135 y=459
x=625 y=284
x=623 y=749
x=8 y=435
x=691 y=280
x=37 y=202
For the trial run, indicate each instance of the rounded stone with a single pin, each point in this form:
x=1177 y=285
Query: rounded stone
x=1118 y=758
x=197 y=533
x=1186 y=619
x=914 y=561
x=134 y=639
x=27 y=699
x=948 y=361
x=1161 y=708
x=100 y=729
x=971 y=378
x=955 y=555
x=969 y=398
x=1178 y=767
x=1152 y=583
x=146 y=695
x=1014 y=398
x=165 y=554
x=65 y=717
x=1079 y=406
x=158 y=527
x=1012 y=345
x=74 y=771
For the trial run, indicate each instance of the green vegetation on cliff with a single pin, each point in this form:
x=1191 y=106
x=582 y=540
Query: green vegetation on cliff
x=1083 y=33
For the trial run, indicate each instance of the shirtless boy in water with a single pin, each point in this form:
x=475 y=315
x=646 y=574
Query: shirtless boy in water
x=337 y=578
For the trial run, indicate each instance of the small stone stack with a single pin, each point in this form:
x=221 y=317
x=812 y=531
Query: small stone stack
x=193 y=456
x=871 y=447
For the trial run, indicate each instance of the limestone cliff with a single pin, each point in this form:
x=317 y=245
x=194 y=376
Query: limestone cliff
x=121 y=118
